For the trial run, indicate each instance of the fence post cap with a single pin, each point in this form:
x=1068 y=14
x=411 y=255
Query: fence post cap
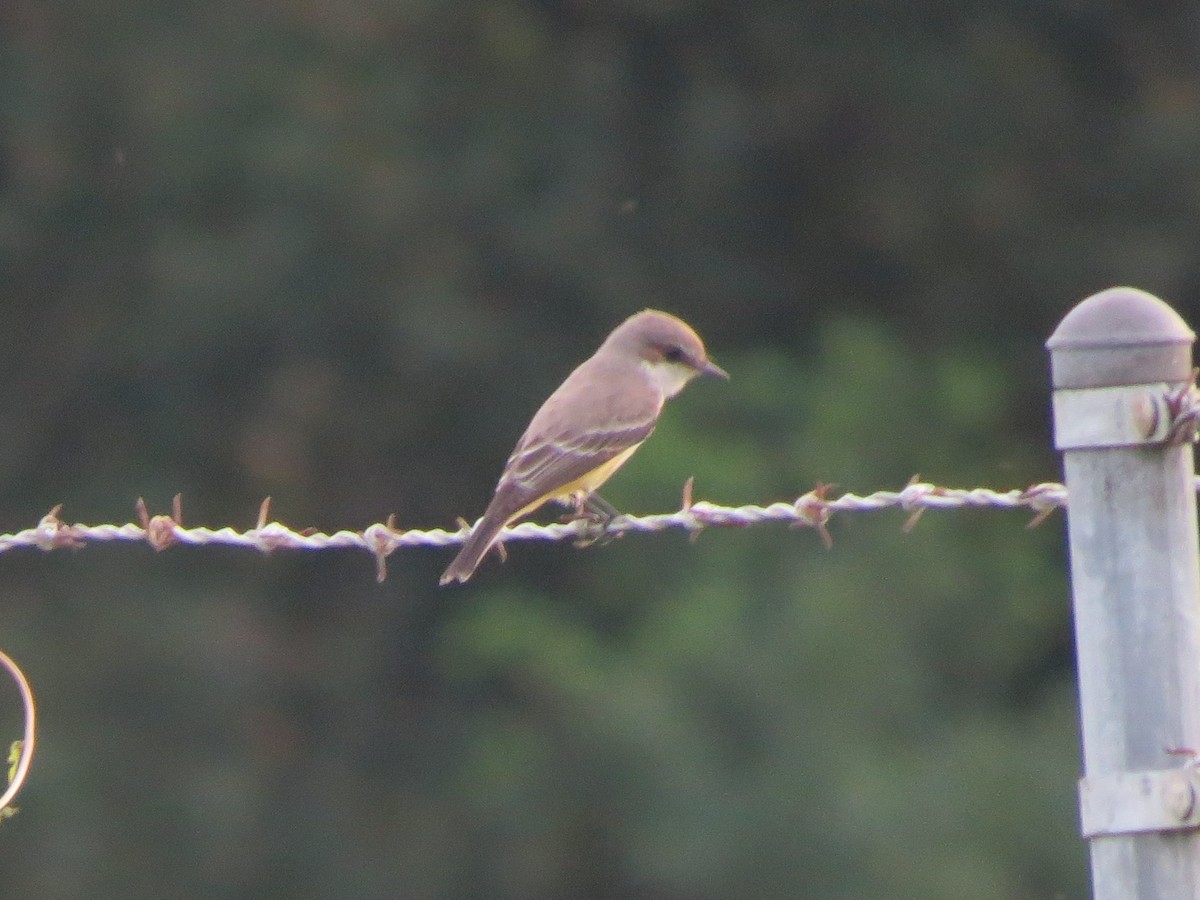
x=1120 y=336
x=1120 y=317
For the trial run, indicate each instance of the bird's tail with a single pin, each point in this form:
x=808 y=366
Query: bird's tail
x=474 y=549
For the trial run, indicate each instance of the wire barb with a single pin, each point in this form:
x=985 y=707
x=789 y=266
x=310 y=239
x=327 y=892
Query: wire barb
x=1184 y=407
x=814 y=511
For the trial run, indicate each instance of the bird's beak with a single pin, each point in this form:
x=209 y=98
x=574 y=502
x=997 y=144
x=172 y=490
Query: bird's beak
x=711 y=368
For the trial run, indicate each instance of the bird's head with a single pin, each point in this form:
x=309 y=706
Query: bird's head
x=670 y=352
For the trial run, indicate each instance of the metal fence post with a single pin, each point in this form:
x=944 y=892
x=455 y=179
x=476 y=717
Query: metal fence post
x=1122 y=369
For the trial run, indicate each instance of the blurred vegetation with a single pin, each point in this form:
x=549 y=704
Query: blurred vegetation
x=337 y=253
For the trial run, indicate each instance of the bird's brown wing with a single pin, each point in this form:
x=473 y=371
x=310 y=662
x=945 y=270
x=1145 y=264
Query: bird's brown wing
x=534 y=473
x=600 y=412
x=544 y=465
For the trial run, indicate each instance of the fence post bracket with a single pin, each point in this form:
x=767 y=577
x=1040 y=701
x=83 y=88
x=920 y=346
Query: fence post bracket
x=1139 y=802
x=1119 y=416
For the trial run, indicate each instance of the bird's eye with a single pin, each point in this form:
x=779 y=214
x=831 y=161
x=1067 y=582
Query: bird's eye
x=673 y=354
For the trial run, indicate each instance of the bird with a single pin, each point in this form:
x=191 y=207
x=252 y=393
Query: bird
x=590 y=426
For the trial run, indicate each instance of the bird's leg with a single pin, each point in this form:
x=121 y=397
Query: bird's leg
x=600 y=509
x=590 y=508
x=597 y=513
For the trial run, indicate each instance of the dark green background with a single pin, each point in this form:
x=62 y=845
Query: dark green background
x=337 y=253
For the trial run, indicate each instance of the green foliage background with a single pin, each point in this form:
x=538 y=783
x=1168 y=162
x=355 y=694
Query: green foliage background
x=338 y=252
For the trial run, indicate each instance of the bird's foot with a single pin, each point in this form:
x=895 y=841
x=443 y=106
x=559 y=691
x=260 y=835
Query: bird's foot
x=596 y=513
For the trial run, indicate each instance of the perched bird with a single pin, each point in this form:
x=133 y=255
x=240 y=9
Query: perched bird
x=590 y=426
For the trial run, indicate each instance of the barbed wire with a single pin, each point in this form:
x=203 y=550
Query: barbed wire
x=1181 y=408
x=812 y=510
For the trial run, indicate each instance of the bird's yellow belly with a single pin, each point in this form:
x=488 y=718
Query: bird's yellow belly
x=586 y=483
